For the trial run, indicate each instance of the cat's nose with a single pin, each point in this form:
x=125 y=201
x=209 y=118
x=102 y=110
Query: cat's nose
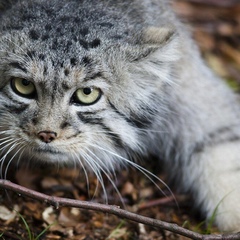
x=47 y=136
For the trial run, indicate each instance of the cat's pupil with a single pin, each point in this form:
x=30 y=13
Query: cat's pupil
x=87 y=91
x=25 y=82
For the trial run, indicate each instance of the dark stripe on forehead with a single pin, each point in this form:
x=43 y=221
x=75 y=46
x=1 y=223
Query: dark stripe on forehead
x=18 y=66
x=93 y=76
x=55 y=87
x=107 y=131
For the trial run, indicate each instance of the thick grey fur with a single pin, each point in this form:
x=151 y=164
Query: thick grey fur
x=157 y=96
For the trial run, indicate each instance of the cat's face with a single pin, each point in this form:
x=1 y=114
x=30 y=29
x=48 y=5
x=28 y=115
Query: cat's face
x=75 y=101
x=90 y=106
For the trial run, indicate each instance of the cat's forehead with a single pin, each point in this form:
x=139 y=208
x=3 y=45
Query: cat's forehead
x=65 y=26
x=64 y=36
x=66 y=73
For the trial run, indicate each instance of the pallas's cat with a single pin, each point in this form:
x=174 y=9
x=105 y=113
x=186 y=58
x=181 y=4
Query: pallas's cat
x=104 y=83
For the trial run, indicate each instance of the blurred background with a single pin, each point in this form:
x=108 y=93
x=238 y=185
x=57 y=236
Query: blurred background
x=216 y=28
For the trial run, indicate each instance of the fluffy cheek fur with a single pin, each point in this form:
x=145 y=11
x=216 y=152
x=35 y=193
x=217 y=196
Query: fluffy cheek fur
x=139 y=82
x=105 y=141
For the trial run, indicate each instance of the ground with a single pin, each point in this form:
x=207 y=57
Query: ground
x=216 y=27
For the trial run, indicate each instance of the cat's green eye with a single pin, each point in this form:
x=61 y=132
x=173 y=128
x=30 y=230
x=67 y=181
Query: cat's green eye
x=23 y=87
x=87 y=96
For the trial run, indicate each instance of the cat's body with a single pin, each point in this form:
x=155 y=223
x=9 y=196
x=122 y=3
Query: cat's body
x=102 y=83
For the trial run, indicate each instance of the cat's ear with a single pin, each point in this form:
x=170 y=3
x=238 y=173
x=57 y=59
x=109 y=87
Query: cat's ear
x=160 y=41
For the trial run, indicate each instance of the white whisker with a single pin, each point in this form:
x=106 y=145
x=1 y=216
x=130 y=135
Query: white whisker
x=144 y=171
x=106 y=174
x=20 y=155
x=95 y=168
x=12 y=158
x=77 y=157
x=13 y=144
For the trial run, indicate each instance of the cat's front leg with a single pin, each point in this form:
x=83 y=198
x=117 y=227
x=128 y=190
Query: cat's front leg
x=214 y=176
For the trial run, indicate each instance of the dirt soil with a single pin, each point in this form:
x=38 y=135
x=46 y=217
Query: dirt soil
x=216 y=27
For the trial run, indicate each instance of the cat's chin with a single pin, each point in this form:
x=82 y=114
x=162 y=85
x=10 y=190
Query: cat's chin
x=50 y=156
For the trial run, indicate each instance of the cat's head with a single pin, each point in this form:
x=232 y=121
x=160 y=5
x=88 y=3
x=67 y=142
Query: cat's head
x=84 y=95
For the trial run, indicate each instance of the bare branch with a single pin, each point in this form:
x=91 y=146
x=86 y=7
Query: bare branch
x=219 y=3
x=58 y=202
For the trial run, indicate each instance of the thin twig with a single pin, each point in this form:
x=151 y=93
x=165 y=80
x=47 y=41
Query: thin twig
x=115 y=210
x=218 y=3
